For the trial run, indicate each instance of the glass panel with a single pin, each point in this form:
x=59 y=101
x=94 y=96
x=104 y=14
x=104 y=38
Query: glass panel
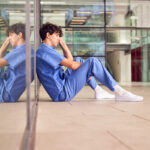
x=81 y=25
x=134 y=43
x=73 y=13
x=115 y=12
x=141 y=11
x=128 y=44
x=140 y=56
x=12 y=12
x=119 y=36
x=85 y=41
x=13 y=75
x=129 y=13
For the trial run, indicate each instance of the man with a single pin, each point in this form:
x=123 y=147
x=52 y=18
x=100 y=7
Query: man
x=12 y=79
x=63 y=86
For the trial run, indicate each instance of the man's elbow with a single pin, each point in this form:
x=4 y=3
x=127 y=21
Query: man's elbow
x=73 y=66
x=71 y=58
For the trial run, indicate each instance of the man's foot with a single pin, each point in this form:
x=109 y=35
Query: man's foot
x=102 y=94
x=128 y=97
x=123 y=95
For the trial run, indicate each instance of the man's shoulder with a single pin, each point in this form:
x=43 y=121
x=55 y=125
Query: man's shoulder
x=41 y=48
x=10 y=54
x=45 y=50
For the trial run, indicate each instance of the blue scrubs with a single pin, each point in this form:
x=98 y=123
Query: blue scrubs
x=63 y=86
x=12 y=81
x=92 y=82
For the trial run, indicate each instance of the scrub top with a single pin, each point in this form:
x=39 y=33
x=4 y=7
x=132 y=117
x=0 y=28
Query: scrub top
x=15 y=74
x=49 y=70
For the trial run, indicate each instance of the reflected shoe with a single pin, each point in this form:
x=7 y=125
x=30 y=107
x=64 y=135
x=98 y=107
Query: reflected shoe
x=128 y=97
x=103 y=95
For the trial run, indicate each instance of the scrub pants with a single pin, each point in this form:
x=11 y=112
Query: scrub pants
x=92 y=82
x=76 y=79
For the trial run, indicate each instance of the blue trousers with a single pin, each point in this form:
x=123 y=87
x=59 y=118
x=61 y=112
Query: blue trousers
x=76 y=79
x=92 y=82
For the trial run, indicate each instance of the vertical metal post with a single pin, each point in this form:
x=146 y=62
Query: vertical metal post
x=28 y=61
x=28 y=140
x=36 y=42
x=105 y=34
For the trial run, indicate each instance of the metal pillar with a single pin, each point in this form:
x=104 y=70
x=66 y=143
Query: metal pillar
x=36 y=42
x=28 y=61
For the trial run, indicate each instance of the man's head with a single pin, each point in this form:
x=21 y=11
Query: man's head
x=51 y=33
x=16 y=33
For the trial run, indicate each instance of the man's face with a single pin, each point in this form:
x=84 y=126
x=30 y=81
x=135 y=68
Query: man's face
x=54 y=38
x=14 y=38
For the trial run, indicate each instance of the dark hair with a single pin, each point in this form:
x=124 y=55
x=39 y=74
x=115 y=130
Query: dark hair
x=17 y=28
x=50 y=28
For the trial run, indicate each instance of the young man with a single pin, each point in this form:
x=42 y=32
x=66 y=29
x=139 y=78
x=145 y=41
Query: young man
x=12 y=79
x=63 y=86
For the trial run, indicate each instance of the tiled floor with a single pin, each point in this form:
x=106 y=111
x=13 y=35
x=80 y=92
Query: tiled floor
x=12 y=125
x=82 y=124
x=88 y=124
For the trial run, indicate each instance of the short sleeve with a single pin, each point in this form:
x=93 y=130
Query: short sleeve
x=53 y=58
x=13 y=58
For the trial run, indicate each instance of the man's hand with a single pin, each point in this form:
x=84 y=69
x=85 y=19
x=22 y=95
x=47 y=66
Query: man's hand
x=65 y=49
x=4 y=46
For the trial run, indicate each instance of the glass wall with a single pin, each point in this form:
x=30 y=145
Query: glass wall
x=127 y=30
x=12 y=12
x=104 y=31
x=82 y=23
x=128 y=40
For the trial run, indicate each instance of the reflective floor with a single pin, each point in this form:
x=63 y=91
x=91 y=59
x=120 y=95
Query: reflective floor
x=12 y=125
x=88 y=124
x=83 y=123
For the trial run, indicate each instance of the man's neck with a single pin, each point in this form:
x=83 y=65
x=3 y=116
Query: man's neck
x=20 y=42
x=48 y=43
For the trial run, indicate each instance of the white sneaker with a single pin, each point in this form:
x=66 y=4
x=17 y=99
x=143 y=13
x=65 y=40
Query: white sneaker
x=128 y=97
x=103 y=95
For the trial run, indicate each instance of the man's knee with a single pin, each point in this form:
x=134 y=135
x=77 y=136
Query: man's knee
x=93 y=60
x=79 y=59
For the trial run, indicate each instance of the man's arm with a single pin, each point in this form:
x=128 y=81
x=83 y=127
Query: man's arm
x=70 y=64
x=65 y=49
x=68 y=61
x=3 y=48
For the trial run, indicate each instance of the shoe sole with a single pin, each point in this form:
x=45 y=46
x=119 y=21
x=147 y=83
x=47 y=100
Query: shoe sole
x=127 y=100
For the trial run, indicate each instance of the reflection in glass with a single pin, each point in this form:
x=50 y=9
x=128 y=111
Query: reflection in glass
x=13 y=73
x=12 y=13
